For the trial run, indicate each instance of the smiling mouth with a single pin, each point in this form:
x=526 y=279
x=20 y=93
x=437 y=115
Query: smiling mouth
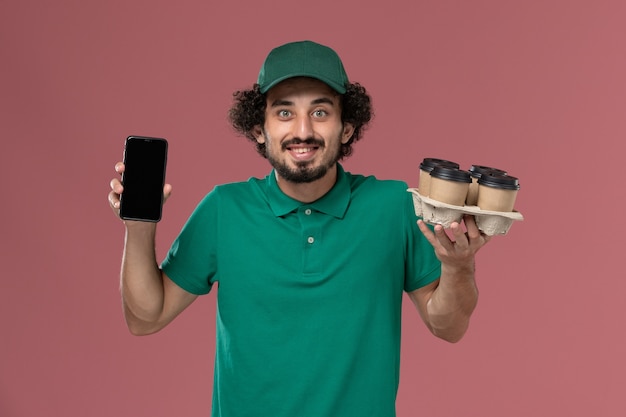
x=301 y=150
x=302 y=153
x=303 y=145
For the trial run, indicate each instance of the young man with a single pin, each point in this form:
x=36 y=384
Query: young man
x=311 y=261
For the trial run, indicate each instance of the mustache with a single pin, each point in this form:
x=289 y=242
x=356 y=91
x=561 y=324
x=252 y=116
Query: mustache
x=307 y=141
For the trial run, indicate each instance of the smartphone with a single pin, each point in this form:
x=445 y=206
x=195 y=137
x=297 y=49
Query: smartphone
x=145 y=159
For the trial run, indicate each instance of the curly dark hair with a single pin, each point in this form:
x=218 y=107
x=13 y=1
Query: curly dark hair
x=248 y=111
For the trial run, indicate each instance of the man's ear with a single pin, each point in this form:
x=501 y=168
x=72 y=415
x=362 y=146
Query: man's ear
x=348 y=131
x=257 y=131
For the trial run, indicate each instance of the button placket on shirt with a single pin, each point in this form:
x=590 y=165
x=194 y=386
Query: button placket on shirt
x=311 y=236
x=310 y=239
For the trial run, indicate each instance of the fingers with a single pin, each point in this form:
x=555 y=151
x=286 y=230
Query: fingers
x=438 y=239
x=428 y=234
x=116 y=186
x=457 y=239
x=459 y=235
x=167 y=191
x=444 y=240
x=458 y=246
x=472 y=229
x=114 y=200
x=476 y=238
x=116 y=189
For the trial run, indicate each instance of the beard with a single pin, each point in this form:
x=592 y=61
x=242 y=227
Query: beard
x=304 y=171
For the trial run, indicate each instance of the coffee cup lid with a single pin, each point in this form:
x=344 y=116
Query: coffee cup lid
x=429 y=163
x=450 y=173
x=477 y=170
x=495 y=180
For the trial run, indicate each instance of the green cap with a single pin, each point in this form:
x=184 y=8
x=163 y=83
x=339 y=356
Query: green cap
x=303 y=59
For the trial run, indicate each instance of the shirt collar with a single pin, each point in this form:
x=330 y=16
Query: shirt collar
x=334 y=202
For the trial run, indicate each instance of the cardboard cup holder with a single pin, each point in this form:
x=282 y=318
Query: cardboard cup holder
x=489 y=222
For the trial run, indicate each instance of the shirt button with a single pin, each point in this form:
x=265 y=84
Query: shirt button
x=307 y=212
x=311 y=239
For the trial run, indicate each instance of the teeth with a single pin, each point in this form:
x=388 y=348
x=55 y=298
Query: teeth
x=302 y=150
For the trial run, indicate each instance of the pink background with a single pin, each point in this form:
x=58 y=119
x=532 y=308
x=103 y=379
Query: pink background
x=536 y=87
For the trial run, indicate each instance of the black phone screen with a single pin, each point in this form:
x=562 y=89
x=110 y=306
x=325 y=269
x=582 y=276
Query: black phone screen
x=145 y=159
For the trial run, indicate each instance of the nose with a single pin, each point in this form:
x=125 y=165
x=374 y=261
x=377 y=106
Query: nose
x=303 y=127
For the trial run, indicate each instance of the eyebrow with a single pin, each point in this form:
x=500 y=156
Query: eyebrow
x=321 y=100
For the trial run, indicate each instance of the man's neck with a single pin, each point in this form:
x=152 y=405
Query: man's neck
x=307 y=192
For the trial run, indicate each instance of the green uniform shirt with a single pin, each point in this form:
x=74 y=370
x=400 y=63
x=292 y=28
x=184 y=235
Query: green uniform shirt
x=309 y=295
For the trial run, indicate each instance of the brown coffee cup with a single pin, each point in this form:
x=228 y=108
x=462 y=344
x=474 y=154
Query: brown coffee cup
x=475 y=172
x=449 y=185
x=426 y=166
x=497 y=192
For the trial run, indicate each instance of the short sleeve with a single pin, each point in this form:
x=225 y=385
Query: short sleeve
x=191 y=261
x=422 y=265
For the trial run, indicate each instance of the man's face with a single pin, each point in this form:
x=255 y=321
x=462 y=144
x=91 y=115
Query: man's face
x=303 y=132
